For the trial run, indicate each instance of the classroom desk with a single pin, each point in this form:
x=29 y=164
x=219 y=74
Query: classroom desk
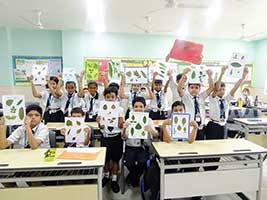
x=240 y=168
x=25 y=165
x=251 y=125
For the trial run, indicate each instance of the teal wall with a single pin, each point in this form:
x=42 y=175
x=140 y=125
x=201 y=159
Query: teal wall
x=75 y=45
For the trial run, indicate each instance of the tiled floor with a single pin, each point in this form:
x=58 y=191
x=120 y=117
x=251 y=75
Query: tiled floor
x=134 y=194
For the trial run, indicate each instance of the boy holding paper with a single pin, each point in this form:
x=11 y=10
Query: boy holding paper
x=137 y=149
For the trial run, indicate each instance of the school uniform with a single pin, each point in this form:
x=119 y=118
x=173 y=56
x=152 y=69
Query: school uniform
x=158 y=106
x=68 y=102
x=219 y=111
x=53 y=112
x=137 y=152
x=247 y=101
x=131 y=96
x=92 y=104
x=111 y=139
x=19 y=137
x=175 y=95
x=195 y=106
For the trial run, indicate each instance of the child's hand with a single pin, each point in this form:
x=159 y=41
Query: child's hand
x=224 y=68
x=194 y=124
x=30 y=78
x=2 y=121
x=166 y=122
x=155 y=74
x=98 y=119
x=186 y=70
x=62 y=131
x=87 y=132
x=59 y=77
x=47 y=79
x=120 y=122
x=245 y=73
x=170 y=72
x=209 y=72
x=126 y=125
x=148 y=128
x=27 y=121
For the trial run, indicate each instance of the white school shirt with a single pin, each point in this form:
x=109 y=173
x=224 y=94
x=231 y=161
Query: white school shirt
x=190 y=107
x=75 y=101
x=115 y=130
x=215 y=108
x=96 y=102
x=175 y=94
x=153 y=103
x=55 y=103
x=137 y=142
x=19 y=137
x=130 y=97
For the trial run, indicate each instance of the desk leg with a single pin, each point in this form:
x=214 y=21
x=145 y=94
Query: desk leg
x=162 y=171
x=258 y=193
x=99 y=183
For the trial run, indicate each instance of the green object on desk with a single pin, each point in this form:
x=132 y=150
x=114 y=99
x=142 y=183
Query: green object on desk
x=50 y=155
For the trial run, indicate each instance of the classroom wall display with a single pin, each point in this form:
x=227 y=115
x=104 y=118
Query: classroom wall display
x=109 y=112
x=236 y=65
x=162 y=68
x=74 y=130
x=136 y=75
x=69 y=74
x=94 y=70
x=13 y=109
x=138 y=120
x=23 y=65
x=180 y=125
x=186 y=51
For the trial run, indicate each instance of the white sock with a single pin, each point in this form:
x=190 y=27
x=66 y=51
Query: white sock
x=106 y=174
x=114 y=177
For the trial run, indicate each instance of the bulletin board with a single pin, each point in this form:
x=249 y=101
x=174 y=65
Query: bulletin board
x=22 y=66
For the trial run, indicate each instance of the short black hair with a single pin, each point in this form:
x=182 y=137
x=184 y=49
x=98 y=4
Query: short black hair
x=35 y=108
x=92 y=83
x=139 y=99
x=70 y=82
x=178 y=103
x=158 y=81
x=178 y=77
x=113 y=84
x=109 y=90
x=52 y=78
x=77 y=110
x=189 y=84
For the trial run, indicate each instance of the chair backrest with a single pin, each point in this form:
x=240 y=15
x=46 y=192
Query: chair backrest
x=251 y=113
x=52 y=139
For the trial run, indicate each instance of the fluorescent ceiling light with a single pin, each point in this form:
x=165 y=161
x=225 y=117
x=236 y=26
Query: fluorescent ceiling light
x=95 y=15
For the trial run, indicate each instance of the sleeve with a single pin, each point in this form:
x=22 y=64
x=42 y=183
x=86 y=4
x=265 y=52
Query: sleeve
x=121 y=112
x=203 y=95
x=42 y=134
x=44 y=95
x=173 y=86
x=16 y=135
x=228 y=98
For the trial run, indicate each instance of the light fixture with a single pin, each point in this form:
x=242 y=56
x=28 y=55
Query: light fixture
x=95 y=15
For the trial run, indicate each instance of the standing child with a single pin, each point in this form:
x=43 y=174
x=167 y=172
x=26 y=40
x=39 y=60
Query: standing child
x=137 y=150
x=194 y=100
x=51 y=99
x=158 y=104
x=246 y=98
x=78 y=112
x=173 y=85
x=33 y=134
x=134 y=92
x=111 y=139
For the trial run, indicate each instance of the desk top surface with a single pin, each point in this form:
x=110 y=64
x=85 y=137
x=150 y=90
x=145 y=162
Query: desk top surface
x=207 y=148
x=32 y=159
x=251 y=121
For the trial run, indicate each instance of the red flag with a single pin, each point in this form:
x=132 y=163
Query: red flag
x=186 y=51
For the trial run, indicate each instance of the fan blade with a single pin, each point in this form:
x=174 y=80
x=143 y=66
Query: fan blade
x=141 y=28
x=254 y=36
x=27 y=20
x=156 y=10
x=39 y=23
x=193 y=6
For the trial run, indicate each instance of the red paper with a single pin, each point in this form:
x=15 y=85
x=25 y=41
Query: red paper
x=186 y=51
x=103 y=67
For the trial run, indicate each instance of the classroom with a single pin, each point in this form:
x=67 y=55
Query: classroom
x=137 y=100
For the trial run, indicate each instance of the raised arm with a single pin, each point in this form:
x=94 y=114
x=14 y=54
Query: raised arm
x=4 y=143
x=35 y=92
x=105 y=80
x=151 y=94
x=219 y=81
x=122 y=87
x=59 y=85
x=182 y=81
x=211 y=83
x=240 y=81
x=166 y=134
x=79 y=79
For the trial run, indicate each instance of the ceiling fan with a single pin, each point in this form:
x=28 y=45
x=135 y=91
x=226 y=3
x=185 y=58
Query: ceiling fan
x=248 y=38
x=38 y=24
x=175 y=4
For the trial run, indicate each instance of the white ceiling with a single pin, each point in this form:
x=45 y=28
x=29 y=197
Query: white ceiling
x=223 y=19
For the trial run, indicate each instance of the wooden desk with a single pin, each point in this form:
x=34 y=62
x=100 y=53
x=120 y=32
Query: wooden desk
x=29 y=165
x=240 y=168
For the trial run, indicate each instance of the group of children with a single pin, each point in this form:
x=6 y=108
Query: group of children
x=186 y=98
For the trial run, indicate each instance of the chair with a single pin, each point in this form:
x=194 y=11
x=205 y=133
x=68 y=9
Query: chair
x=52 y=139
x=92 y=138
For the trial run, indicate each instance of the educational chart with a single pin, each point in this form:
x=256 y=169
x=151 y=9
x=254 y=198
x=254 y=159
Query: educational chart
x=138 y=121
x=69 y=74
x=114 y=69
x=236 y=65
x=39 y=73
x=180 y=125
x=74 y=130
x=95 y=69
x=109 y=112
x=23 y=67
x=198 y=74
x=136 y=75
x=13 y=109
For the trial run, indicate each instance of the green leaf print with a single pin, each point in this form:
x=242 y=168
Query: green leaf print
x=69 y=123
x=138 y=126
x=9 y=102
x=144 y=120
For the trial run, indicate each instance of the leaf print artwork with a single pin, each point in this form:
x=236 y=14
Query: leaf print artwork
x=132 y=131
x=144 y=119
x=236 y=64
x=184 y=121
x=179 y=127
x=193 y=75
x=69 y=123
x=79 y=131
x=78 y=123
x=176 y=119
x=129 y=73
x=137 y=121
x=9 y=102
x=143 y=74
x=143 y=133
x=74 y=127
x=19 y=102
x=21 y=113
x=105 y=107
x=138 y=126
x=113 y=107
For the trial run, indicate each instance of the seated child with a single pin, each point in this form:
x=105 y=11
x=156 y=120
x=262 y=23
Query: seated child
x=78 y=112
x=137 y=150
x=33 y=134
